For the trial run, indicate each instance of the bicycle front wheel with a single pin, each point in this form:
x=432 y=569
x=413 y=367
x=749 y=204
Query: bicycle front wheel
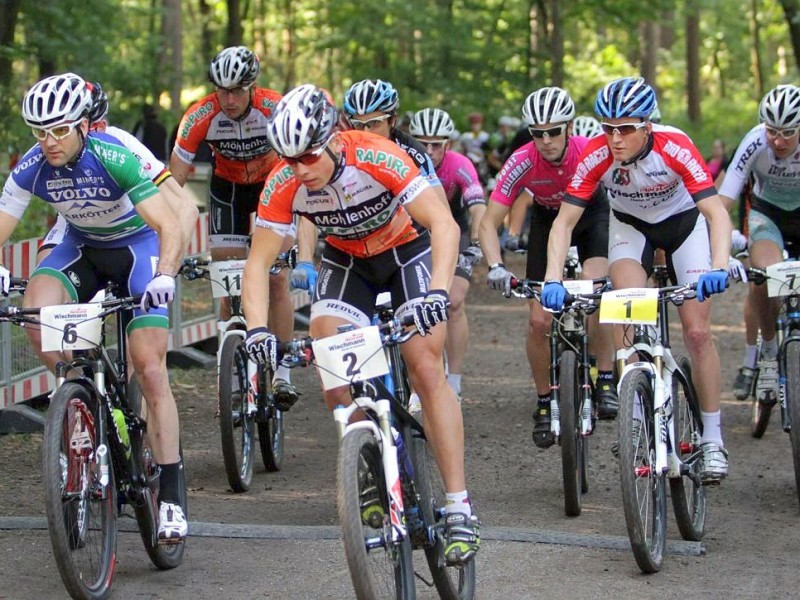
x=379 y=567
x=452 y=583
x=270 y=427
x=688 y=493
x=572 y=442
x=81 y=507
x=793 y=404
x=236 y=426
x=644 y=496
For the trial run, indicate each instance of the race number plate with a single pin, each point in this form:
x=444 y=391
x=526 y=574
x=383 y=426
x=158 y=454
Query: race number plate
x=630 y=306
x=784 y=278
x=351 y=356
x=576 y=287
x=71 y=327
x=226 y=278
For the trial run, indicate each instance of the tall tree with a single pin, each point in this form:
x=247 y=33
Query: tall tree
x=755 y=49
x=693 y=60
x=791 y=8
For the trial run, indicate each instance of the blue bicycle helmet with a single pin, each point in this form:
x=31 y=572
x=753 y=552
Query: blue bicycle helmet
x=625 y=97
x=369 y=96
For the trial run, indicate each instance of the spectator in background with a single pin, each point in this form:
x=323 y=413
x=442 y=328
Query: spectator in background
x=474 y=143
x=718 y=162
x=499 y=141
x=151 y=132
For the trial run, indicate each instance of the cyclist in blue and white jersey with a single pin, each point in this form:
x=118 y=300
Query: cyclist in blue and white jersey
x=768 y=154
x=121 y=230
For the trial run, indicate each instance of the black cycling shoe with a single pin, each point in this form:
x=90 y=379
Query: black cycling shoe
x=542 y=436
x=285 y=394
x=606 y=399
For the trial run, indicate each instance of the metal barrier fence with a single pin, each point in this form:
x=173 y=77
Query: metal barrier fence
x=192 y=319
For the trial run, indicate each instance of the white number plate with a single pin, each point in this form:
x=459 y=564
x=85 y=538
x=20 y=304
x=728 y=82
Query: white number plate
x=226 y=278
x=576 y=287
x=351 y=356
x=71 y=327
x=630 y=306
x=784 y=278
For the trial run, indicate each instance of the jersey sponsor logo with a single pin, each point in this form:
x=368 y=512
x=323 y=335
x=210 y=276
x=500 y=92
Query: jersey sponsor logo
x=411 y=191
x=588 y=163
x=749 y=151
x=510 y=174
x=80 y=205
x=86 y=193
x=241 y=148
x=621 y=176
x=82 y=213
x=268 y=105
x=279 y=178
x=28 y=163
x=90 y=179
x=656 y=174
x=55 y=184
x=380 y=158
x=366 y=216
x=685 y=157
x=194 y=116
x=782 y=171
x=73 y=277
x=111 y=154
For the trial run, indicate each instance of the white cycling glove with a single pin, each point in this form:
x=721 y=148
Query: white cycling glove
x=160 y=291
x=5 y=280
x=738 y=241
x=736 y=270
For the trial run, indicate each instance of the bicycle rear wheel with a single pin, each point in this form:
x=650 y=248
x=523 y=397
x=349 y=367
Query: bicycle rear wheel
x=643 y=489
x=379 y=567
x=452 y=583
x=270 y=426
x=572 y=442
x=81 y=510
x=236 y=426
x=163 y=556
x=688 y=493
x=793 y=404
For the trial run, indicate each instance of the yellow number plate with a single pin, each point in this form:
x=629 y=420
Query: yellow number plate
x=630 y=306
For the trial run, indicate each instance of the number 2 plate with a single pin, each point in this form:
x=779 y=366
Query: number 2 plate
x=226 y=278
x=71 y=327
x=351 y=356
x=630 y=306
x=784 y=278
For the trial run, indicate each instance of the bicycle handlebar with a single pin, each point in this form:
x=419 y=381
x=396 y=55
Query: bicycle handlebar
x=197 y=268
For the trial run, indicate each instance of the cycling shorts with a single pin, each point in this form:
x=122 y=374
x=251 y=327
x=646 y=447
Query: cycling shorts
x=463 y=268
x=768 y=222
x=347 y=287
x=84 y=270
x=56 y=234
x=590 y=235
x=683 y=237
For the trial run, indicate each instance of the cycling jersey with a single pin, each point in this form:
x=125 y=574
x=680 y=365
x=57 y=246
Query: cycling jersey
x=96 y=195
x=417 y=152
x=666 y=179
x=461 y=186
x=361 y=210
x=775 y=181
x=242 y=153
x=527 y=169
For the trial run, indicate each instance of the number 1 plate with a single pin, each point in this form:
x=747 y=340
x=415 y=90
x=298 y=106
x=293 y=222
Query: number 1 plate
x=71 y=327
x=351 y=356
x=630 y=306
x=226 y=278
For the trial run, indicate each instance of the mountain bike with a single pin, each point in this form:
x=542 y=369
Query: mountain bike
x=660 y=426
x=783 y=281
x=246 y=400
x=572 y=414
x=390 y=493
x=95 y=454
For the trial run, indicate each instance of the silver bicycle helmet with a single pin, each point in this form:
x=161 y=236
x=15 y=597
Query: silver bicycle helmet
x=369 y=96
x=586 y=126
x=99 y=109
x=58 y=99
x=780 y=107
x=626 y=97
x=236 y=66
x=304 y=119
x=548 y=105
x=431 y=122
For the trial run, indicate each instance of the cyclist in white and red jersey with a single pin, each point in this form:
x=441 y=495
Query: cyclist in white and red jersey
x=233 y=121
x=371 y=246
x=768 y=154
x=542 y=169
x=433 y=128
x=661 y=196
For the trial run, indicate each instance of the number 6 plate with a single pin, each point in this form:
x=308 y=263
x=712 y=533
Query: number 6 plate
x=71 y=327
x=630 y=306
x=351 y=356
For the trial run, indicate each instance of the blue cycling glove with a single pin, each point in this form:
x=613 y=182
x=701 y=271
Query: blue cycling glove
x=304 y=277
x=553 y=295
x=713 y=282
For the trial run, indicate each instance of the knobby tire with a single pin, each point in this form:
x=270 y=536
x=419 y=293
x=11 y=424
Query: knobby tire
x=237 y=428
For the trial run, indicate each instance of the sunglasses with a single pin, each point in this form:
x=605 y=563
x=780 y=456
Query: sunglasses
x=538 y=134
x=434 y=144
x=309 y=158
x=784 y=133
x=369 y=124
x=237 y=92
x=623 y=130
x=59 y=132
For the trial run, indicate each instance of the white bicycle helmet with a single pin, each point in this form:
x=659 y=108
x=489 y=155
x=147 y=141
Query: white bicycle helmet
x=780 y=107
x=431 y=122
x=586 y=126
x=548 y=105
x=369 y=96
x=236 y=66
x=304 y=119
x=58 y=99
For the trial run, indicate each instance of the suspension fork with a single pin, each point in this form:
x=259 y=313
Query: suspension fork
x=555 y=389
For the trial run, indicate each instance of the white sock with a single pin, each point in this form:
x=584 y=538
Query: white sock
x=457 y=503
x=769 y=349
x=283 y=372
x=750 y=356
x=712 y=427
x=455 y=382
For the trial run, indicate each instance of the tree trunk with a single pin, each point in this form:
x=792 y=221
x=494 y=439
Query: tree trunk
x=650 y=45
x=173 y=36
x=755 y=48
x=235 y=33
x=693 y=60
x=8 y=24
x=206 y=40
x=556 y=45
x=791 y=8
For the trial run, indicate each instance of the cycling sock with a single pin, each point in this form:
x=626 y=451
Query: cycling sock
x=283 y=372
x=769 y=349
x=457 y=502
x=712 y=427
x=544 y=400
x=750 y=356
x=605 y=376
x=168 y=490
x=455 y=382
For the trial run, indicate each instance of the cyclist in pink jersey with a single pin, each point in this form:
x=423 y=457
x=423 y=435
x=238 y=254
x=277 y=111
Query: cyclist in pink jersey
x=542 y=169
x=433 y=127
x=661 y=196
